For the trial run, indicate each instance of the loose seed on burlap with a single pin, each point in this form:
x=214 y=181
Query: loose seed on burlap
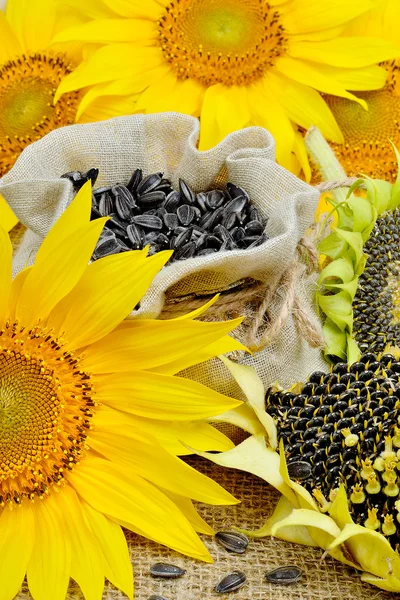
x=230 y=583
x=232 y=541
x=155 y=597
x=284 y=575
x=166 y=570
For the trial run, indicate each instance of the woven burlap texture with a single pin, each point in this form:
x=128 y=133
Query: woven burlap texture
x=167 y=142
x=323 y=579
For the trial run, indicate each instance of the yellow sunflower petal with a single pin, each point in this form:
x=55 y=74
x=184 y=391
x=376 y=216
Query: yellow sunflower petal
x=308 y=518
x=33 y=22
x=149 y=343
x=7 y=218
x=353 y=52
x=167 y=93
x=106 y=107
x=54 y=276
x=76 y=215
x=16 y=544
x=304 y=106
x=313 y=15
x=136 y=8
x=10 y=45
x=86 y=557
x=128 y=498
x=365 y=78
x=172 y=435
x=186 y=507
x=305 y=73
x=224 y=110
x=5 y=273
x=16 y=287
x=151 y=461
x=269 y=113
x=111 y=539
x=50 y=565
x=161 y=396
x=105 y=31
x=223 y=346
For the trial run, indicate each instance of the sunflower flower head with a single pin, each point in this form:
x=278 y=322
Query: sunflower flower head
x=366 y=147
x=331 y=447
x=233 y=63
x=92 y=416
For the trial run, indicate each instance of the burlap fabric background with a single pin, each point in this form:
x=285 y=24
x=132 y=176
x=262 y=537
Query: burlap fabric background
x=167 y=142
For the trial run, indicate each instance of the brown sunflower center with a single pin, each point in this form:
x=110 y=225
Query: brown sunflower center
x=221 y=41
x=367 y=134
x=27 y=88
x=45 y=410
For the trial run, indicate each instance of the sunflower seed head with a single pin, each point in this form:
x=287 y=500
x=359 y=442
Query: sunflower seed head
x=232 y=541
x=299 y=470
x=149 y=183
x=230 y=583
x=187 y=194
x=284 y=575
x=166 y=570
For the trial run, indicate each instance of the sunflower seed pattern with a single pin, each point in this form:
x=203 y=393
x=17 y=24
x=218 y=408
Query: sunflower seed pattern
x=232 y=541
x=148 y=211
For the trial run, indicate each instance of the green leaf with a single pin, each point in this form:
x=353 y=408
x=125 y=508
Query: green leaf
x=333 y=246
x=338 y=308
x=379 y=193
x=341 y=268
x=395 y=197
x=353 y=351
x=356 y=185
x=355 y=241
x=363 y=212
x=335 y=339
x=350 y=287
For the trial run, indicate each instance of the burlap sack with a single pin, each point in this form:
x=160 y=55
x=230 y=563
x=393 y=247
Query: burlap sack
x=271 y=284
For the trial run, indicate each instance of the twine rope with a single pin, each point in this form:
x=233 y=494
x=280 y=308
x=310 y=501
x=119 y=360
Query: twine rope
x=328 y=186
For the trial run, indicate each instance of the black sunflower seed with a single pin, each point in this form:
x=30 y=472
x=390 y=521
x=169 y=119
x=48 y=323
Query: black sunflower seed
x=166 y=570
x=206 y=251
x=253 y=228
x=136 y=236
x=99 y=191
x=234 y=191
x=299 y=470
x=148 y=221
x=233 y=541
x=124 y=202
x=201 y=201
x=187 y=194
x=134 y=181
x=236 y=205
x=156 y=597
x=254 y=215
x=106 y=205
x=106 y=247
x=149 y=183
x=92 y=174
x=162 y=240
x=230 y=583
x=222 y=233
x=284 y=575
x=182 y=238
x=151 y=199
x=117 y=224
x=171 y=202
x=229 y=220
x=186 y=251
x=215 y=199
x=258 y=241
x=212 y=241
x=185 y=214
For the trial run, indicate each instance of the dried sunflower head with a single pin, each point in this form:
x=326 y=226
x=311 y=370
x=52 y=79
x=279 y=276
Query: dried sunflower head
x=337 y=465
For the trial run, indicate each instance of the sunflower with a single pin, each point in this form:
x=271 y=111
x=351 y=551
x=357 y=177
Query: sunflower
x=233 y=63
x=92 y=417
x=338 y=480
x=7 y=217
x=366 y=146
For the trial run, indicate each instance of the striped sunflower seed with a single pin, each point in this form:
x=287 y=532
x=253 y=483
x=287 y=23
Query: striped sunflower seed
x=171 y=202
x=229 y=220
x=232 y=582
x=134 y=181
x=232 y=541
x=149 y=183
x=151 y=199
x=253 y=228
x=166 y=570
x=187 y=194
x=299 y=470
x=206 y=251
x=124 y=202
x=234 y=191
x=106 y=247
x=201 y=198
x=156 y=597
x=136 y=236
x=182 y=238
x=170 y=220
x=212 y=241
x=215 y=199
x=148 y=221
x=186 y=251
x=106 y=205
x=186 y=214
x=222 y=233
x=284 y=575
x=236 y=205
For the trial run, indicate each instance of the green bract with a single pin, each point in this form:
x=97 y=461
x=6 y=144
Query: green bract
x=338 y=281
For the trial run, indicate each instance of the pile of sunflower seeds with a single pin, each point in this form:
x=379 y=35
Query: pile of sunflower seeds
x=148 y=211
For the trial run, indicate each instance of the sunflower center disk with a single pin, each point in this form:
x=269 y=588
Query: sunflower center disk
x=45 y=411
x=221 y=41
x=27 y=88
x=367 y=133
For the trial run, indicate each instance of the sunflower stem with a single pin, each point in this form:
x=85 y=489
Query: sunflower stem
x=325 y=160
